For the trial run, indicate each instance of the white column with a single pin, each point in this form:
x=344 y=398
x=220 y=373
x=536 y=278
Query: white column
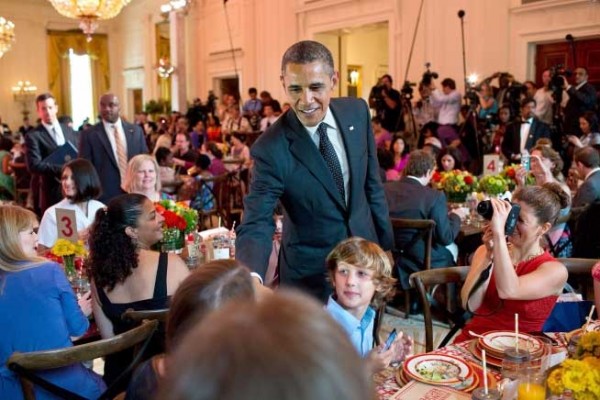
x=177 y=44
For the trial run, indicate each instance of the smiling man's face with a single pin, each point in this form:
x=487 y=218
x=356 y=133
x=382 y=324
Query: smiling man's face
x=309 y=88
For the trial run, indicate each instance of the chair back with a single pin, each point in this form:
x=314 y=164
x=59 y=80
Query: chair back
x=137 y=316
x=22 y=363
x=422 y=280
x=424 y=228
x=580 y=272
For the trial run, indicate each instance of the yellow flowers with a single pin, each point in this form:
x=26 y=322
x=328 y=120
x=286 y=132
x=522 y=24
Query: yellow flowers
x=64 y=247
x=493 y=185
x=582 y=376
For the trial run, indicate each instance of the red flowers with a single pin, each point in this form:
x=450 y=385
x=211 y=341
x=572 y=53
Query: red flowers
x=172 y=220
x=436 y=176
x=469 y=180
x=511 y=173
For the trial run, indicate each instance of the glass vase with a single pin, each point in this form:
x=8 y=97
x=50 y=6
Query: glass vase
x=173 y=241
x=69 y=264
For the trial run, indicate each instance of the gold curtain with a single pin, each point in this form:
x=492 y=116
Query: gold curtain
x=163 y=50
x=59 y=74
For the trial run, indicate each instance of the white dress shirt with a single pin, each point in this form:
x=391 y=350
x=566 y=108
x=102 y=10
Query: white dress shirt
x=525 y=128
x=335 y=137
x=448 y=106
x=108 y=128
x=56 y=132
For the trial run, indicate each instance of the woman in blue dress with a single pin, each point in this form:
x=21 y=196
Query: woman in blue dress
x=38 y=309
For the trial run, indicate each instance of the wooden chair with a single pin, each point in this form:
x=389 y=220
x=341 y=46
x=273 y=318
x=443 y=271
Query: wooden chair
x=25 y=364
x=580 y=272
x=424 y=231
x=422 y=280
x=137 y=316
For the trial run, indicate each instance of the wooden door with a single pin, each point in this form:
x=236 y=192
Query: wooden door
x=587 y=53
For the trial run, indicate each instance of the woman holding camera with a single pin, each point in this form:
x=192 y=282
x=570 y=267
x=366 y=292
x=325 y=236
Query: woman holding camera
x=523 y=278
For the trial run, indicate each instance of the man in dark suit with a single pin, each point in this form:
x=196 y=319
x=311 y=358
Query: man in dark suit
x=524 y=132
x=319 y=160
x=411 y=198
x=582 y=98
x=42 y=142
x=109 y=145
x=587 y=161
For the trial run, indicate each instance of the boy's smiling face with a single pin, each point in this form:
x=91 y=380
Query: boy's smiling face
x=354 y=287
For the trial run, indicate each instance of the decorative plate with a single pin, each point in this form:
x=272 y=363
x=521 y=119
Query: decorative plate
x=437 y=369
x=498 y=341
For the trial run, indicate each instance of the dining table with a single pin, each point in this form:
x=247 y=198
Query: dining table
x=388 y=382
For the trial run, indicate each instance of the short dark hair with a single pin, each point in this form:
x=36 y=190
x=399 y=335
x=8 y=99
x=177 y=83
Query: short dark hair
x=87 y=182
x=588 y=156
x=252 y=90
x=44 y=97
x=388 y=76
x=203 y=161
x=214 y=149
x=591 y=119
x=528 y=100
x=305 y=52
x=162 y=153
x=419 y=162
x=449 y=82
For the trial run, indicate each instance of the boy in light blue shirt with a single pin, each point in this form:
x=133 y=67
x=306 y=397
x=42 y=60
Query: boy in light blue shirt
x=360 y=273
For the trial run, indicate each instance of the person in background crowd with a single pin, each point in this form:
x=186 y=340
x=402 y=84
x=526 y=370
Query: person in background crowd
x=38 y=310
x=110 y=144
x=525 y=279
x=582 y=98
x=400 y=151
x=125 y=273
x=449 y=159
x=266 y=99
x=217 y=167
x=25 y=128
x=587 y=162
x=588 y=123
x=412 y=198
x=382 y=137
x=81 y=188
x=235 y=122
x=447 y=101
x=386 y=165
x=169 y=181
x=319 y=361
x=4 y=129
x=184 y=157
x=7 y=183
x=487 y=103
x=142 y=177
x=198 y=135
x=41 y=142
x=523 y=133
x=544 y=100
x=213 y=130
x=252 y=109
x=269 y=118
x=530 y=88
x=500 y=131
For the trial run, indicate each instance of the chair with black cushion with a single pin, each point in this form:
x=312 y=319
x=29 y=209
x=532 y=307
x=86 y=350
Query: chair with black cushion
x=423 y=281
x=25 y=365
x=217 y=186
x=137 y=316
x=423 y=231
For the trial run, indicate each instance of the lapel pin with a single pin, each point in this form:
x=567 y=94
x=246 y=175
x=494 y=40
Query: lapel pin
x=351 y=127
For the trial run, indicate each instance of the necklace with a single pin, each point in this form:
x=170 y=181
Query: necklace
x=527 y=258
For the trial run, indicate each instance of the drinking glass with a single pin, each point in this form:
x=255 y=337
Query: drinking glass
x=532 y=386
x=480 y=394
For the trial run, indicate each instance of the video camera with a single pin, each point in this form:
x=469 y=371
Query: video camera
x=428 y=75
x=556 y=86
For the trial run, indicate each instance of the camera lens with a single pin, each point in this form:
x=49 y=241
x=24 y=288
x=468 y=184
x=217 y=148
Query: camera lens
x=484 y=208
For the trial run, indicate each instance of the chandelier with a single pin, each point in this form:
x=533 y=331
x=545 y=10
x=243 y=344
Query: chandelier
x=7 y=35
x=164 y=68
x=24 y=94
x=89 y=11
x=176 y=5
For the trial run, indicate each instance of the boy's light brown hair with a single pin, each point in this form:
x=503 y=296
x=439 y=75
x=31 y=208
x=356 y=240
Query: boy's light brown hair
x=364 y=254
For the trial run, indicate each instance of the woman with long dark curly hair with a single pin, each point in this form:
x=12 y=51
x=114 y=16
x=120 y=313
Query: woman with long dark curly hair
x=125 y=273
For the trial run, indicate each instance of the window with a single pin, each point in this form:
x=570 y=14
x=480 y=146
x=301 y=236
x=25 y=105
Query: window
x=81 y=88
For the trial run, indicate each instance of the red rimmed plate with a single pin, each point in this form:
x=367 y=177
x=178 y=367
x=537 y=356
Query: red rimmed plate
x=476 y=351
x=496 y=342
x=468 y=385
x=437 y=369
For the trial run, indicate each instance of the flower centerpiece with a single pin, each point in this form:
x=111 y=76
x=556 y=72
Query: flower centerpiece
x=180 y=219
x=457 y=184
x=580 y=374
x=68 y=250
x=509 y=174
x=493 y=185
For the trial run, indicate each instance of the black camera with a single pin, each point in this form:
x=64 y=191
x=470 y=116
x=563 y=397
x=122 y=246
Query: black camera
x=557 y=82
x=428 y=75
x=485 y=209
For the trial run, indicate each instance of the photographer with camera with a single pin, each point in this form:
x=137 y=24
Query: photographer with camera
x=511 y=273
x=544 y=98
x=387 y=103
x=582 y=98
x=488 y=106
x=447 y=101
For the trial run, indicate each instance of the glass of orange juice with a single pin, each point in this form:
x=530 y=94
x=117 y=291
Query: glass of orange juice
x=532 y=386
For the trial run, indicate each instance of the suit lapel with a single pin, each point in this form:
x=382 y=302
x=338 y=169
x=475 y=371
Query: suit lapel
x=103 y=137
x=347 y=130
x=531 y=135
x=305 y=151
x=129 y=132
x=47 y=138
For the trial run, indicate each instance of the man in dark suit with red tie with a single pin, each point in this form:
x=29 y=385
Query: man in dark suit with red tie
x=319 y=161
x=109 y=145
x=41 y=142
x=524 y=132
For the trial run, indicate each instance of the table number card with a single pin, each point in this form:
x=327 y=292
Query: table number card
x=66 y=224
x=491 y=164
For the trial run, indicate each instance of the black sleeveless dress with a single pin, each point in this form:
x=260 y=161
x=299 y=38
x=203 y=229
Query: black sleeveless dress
x=116 y=363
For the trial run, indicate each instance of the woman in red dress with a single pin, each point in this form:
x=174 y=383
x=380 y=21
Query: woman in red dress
x=524 y=278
